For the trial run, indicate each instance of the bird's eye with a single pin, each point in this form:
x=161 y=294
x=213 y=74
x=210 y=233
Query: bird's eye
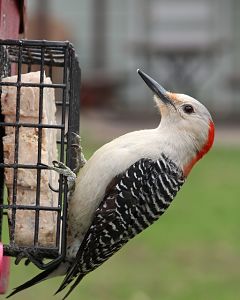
x=188 y=109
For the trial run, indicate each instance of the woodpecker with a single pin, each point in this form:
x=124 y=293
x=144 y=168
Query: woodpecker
x=130 y=182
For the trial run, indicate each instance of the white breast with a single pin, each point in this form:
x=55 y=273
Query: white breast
x=109 y=161
x=106 y=163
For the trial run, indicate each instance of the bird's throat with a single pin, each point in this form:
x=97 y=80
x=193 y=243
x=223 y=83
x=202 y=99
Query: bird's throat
x=207 y=146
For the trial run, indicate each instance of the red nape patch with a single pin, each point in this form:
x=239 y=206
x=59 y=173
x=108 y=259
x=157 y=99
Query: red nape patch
x=204 y=150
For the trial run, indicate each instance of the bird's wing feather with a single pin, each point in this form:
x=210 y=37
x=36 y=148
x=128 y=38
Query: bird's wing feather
x=136 y=199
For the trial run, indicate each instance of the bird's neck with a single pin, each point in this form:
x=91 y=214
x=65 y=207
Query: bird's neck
x=182 y=148
x=206 y=147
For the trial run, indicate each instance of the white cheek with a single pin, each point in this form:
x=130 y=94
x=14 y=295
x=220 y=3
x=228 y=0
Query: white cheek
x=198 y=130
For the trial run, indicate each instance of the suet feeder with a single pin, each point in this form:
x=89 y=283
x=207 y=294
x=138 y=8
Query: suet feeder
x=58 y=62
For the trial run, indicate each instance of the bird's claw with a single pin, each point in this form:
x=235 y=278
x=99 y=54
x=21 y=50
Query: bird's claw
x=79 y=156
x=64 y=170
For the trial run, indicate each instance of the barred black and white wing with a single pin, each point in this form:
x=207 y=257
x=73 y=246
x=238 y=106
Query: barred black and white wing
x=133 y=201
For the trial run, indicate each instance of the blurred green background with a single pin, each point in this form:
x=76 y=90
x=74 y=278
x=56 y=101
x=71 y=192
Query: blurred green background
x=192 y=252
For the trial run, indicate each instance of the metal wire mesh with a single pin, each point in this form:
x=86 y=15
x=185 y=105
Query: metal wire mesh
x=58 y=61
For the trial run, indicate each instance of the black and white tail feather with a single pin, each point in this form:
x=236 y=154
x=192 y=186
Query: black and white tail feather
x=37 y=279
x=133 y=201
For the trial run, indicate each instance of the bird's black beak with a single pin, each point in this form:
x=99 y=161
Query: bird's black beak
x=156 y=88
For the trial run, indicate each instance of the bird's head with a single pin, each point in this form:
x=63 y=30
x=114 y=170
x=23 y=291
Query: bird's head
x=184 y=119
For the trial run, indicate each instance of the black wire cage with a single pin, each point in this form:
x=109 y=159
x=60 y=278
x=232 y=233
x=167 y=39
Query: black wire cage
x=58 y=61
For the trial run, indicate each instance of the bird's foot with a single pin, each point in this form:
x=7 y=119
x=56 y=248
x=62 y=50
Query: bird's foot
x=77 y=152
x=79 y=156
x=64 y=170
